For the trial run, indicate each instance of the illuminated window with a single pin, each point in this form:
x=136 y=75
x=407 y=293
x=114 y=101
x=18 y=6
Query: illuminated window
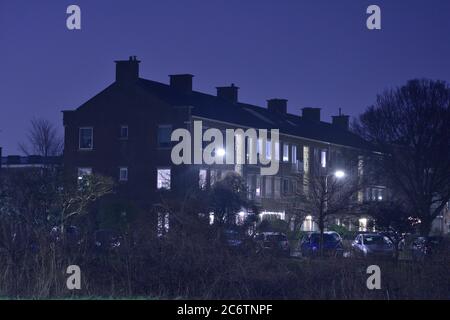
x=363 y=224
x=163 y=223
x=306 y=159
x=285 y=152
x=202 y=178
x=123 y=174
x=83 y=172
x=268 y=149
x=163 y=179
x=294 y=154
x=323 y=159
x=308 y=224
x=258 y=186
x=86 y=138
x=270 y=215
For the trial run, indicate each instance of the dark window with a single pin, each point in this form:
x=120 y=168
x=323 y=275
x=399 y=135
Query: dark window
x=124 y=132
x=86 y=138
x=164 y=133
x=286 y=186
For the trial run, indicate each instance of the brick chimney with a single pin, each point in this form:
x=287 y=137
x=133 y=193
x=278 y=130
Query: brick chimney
x=181 y=82
x=127 y=71
x=311 y=114
x=229 y=94
x=341 y=121
x=277 y=105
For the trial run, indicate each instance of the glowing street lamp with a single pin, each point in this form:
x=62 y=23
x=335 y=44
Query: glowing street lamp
x=220 y=152
x=339 y=174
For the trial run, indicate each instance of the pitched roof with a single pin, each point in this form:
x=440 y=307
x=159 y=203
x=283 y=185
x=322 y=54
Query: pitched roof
x=247 y=115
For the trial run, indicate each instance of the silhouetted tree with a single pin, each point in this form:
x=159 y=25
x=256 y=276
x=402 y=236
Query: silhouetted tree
x=410 y=125
x=227 y=198
x=76 y=201
x=42 y=139
x=324 y=195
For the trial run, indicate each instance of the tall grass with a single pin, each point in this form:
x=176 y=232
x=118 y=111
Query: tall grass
x=187 y=267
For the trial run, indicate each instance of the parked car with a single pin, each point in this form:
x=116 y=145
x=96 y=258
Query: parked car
x=425 y=247
x=273 y=242
x=332 y=244
x=373 y=245
x=232 y=238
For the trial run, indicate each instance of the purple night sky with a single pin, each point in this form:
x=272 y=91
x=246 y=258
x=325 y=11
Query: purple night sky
x=313 y=53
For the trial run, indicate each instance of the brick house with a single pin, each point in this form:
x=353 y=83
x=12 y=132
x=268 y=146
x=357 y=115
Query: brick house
x=124 y=132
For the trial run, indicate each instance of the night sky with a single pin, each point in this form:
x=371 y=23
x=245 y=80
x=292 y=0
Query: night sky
x=313 y=53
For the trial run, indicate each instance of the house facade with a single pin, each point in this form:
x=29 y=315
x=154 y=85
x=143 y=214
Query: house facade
x=125 y=132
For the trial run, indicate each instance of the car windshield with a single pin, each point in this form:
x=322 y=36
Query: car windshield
x=374 y=239
x=231 y=234
x=276 y=237
x=327 y=237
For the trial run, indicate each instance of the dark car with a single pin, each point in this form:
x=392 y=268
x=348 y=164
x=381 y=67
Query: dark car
x=373 y=245
x=273 y=242
x=233 y=239
x=332 y=244
x=424 y=247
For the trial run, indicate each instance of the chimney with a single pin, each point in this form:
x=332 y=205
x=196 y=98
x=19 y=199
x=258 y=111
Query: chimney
x=311 y=114
x=341 y=121
x=277 y=105
x=127 y=71
x=229 y=94
x=181 y=82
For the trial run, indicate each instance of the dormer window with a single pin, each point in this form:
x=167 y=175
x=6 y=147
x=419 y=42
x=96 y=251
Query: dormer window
x=123 y=132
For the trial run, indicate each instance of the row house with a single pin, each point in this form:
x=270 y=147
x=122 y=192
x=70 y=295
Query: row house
x=125 y=132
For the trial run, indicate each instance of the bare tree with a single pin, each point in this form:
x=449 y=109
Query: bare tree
x=410 y=125
x=75 y=202
x=42 y=139
x=326 y=195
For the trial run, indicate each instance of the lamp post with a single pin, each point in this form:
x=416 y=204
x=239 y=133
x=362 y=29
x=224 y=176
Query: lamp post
x=338 y=174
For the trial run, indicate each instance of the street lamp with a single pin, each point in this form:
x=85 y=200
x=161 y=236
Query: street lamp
x=339 y=174
x=221 y=152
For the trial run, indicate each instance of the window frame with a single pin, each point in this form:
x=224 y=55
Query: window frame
x=286 y=150
x=157 y=178
x=79 y=138
x=121 y=137
x=323 y=158
x=158 y=143
x=120 y=174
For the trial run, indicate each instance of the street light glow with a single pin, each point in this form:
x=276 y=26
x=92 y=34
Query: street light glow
x=339 y=174
x=220 y=152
